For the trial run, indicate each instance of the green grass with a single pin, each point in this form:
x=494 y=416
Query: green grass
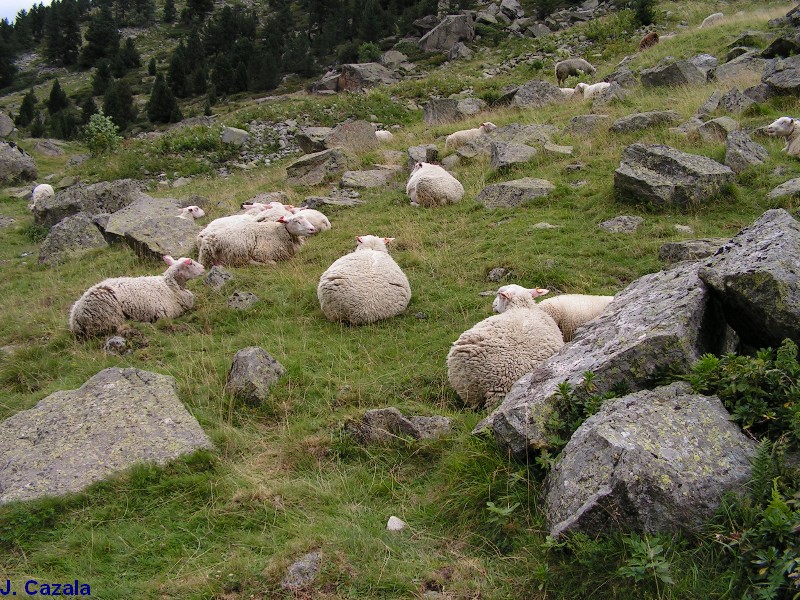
x=283 y=479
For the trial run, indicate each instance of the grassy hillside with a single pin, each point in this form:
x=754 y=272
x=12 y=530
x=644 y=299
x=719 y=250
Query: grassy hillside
x=283 y=480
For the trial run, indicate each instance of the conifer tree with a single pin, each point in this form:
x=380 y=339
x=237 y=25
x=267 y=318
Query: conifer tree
x=263 y=70
x=118 y=104
x=198 y=9
x=162 y=106
x=151 y=67
x=27 y=109
x=222 y=74
x=102 y=78
x=169 y=11
x=88 y=108
x=129 y=55
x=37 y=126
x=199 y=80
x=176 y=73
x=7 y=67
x=102 y=38
x=371 y=23
x=240 y=82
x=58 y=100
x=53 y=41
x=70 y=32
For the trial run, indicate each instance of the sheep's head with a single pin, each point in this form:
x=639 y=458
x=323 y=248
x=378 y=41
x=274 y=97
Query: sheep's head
x=298 y=226
x=508 y=292
x=580 y=87
x=192 y=212
x=372 y=242
x=183 y=269
x=488 y=126
x=782 y=127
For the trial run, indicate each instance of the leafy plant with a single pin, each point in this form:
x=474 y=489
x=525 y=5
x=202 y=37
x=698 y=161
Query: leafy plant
x=368 y=52
x=100 y=134
x=647 y=561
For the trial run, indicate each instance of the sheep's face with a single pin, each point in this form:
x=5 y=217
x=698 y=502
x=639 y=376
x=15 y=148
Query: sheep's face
x=196 y=212
x=372 y=242
x=417 y=167
x=782 y=127
x=298 y=225
x=508 y=292
x=184 y=268
x=488 y=126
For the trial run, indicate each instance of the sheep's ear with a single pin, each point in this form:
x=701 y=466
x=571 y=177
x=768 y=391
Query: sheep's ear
x=506 y=295
x=536 y=292
x=388 y=240
x=168 y=259
x=360 y=239
x=282 y=219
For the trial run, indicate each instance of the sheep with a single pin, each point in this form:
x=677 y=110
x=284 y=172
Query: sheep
x=590 y=91
x=383 y=135
x=569 y=311
x=568 y=92
x=104 y=306
x=572 y=66
x=250 y=242
x=486 y=360
x=316 y=218
x=191 y=212
x=269 y=211
x=788 y=128
x=430 y=185
x=364 y=286
x=459 y=138
x=712 y=19
x=41 y=192
x=648 y=41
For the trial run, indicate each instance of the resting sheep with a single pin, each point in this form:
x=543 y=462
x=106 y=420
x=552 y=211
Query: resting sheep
x=269 y=211
x=364 y=286
x=250 y=242
x=712 y=19
x=459 y=138
x=572 y=66
x=430 y=185
x=648 y=41
x=789 y=128
x=569 y=311
x=191 y=212
x=41 y=192
x=316 y=218
x=567 y=92
x=383 y=135
x=104 y=306
x=589 y=91
x=486 y=360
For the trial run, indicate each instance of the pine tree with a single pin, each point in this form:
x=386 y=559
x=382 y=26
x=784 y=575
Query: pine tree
x=58 y=100
x=199 y=80
x=240 y=81
x=129 y=55
x=70 y=32
x=263 y=71
x=102 y=78
x=144 y=12
x=37 y=126
x=297 y=58
x=102 y=38
x=151 y=67
x=7 y=67
x=176 y=73
x=64 y=124
x=27 y=109
x=371 y=24
x=88 y=108
x=118 y=104
x=211 y=96
x=52 y=33
x=162 y=106
x=198 y=9
x=222 y=74
x=169 y=11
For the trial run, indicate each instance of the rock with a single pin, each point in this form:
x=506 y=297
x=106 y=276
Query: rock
x=735 y=102
x=755 y=277
x=232 y=135
x=711 y=105
x=681 y=72
x=759 y=93
x=115 y=345
x=70 y=238
x=661 y=323
x=426 y=23
x=513 y=193
x=252 y=373
x=498 y=274
x=303 y=572
x=6 y=221
x=315 y=168
x=512 y=9
x=645 y=120
x=152 y=228
x=392 y=59
x=16 y=165
x=395 y=524
x=684 y=229
x=789 y=188
x=539 y=30
x=48 y=147
x=614 y=92
x=217 y=277
x=623 y=77
x=451 y=30
x=783 y=76
x=662 y=175
x=66 y=182
x=622 y=224
x=674 y=252
x=328 y=84
x=354 y=136
x=741 y=152
x=181 y=181
x=384 y=425
x=504 y=155
x=6 y=125
x=95 y=199
x=690 y=126
x=367 y=179
x=654 y=462
x=556 y=149
x=782 y=47
x=446 y=110
x=69 y=440
x=752 y=38
x=545 y=225
x=451 y=162
x=242 y=300
x=76 y=160
x=705 y=63
x=748 y=63
x=312 y=139
x=511 y=134
x=460 y=51
x=717 y=130
x=536 y=94
x=355 y=77
x=584 y=125
x=428 y=153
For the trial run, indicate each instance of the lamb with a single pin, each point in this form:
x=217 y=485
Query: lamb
x=788 y=128
x=459 y=138
x=569 y=311
x=589 y=91
x=648 y=41
x=191 y=212
x=383 y=135
x=104 y=306
x=712 y=19
x=41 y=192
x=430 y=185
x=270 y=211
x=572 y=66
x=486 y=360
x=250 y=242
x=316 y=218
x=364 y=286
x=568 y=92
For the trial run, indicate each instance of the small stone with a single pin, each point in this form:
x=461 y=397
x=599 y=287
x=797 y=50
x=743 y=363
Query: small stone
x=115 y=345
x=544 y=225
x=217 y=277
x=242 y=300
x=395 y=524
x=622 y=224
x=684 y=229
x=498 y=274
x=420 y=315
x=303 y=572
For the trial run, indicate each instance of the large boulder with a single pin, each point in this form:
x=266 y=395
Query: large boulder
x=745 y=64
x=717 y=130
x=16 y=165
x=152 y=228
x=316 y=168
x=6 y=125
x=583 y=125
x=70 y=238
x=742 y=152
x=783 y=76
x=536 y=94
x=504 y=154
x=452 y=29
x=756 y=278
x=655 y=461
x=95 y=199
x=355 y=77
x=513 y=193
x=312 y=139
x=515 y=133
x=446 y=110
x=661 y=323
x=69 y=440
x=680 y=72
x=645 y=120
x=673 y=252
x=664 y=176
x=356 y=136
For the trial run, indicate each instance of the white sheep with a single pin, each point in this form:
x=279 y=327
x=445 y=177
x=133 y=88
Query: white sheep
x=486 y=360
x=191 y=212
x=104 y=307
x=41 y=192
x=269 y=211
x=567 y=92
x=316 y=218
x=459 y=138
x=712 y=19
x=364 y=286
x=383 y=136
x=589 y=91
x=789 y=128
x=572 y=66
x=430 y=185
x=569 y=311
x=250 y=242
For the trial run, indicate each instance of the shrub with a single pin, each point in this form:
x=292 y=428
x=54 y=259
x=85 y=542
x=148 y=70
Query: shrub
x=368 y=52
x=100 y=134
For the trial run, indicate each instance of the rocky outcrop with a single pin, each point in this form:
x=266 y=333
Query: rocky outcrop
x=536 y=94
x=513 y=193
x=674 y=252
x=95 y=199
x=645 y=120
x=447 y=110
x=355 y=77
x=252 y=373
x=745 y=64
x=452 y=29
x=315 y=168
x=16 y=165
x=742 y=152
x=70 y=238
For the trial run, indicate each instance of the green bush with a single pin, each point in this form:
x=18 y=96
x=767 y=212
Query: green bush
x=100 y=134
x=368 y=52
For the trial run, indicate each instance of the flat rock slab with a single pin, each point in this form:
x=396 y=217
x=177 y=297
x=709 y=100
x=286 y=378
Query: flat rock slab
x=674 y=252
x=749 y=63
x=741 y=152
x=756 y=277
x=367 y=179
x=318 y=167
x=717 y=130
x=653 y=461
x=447 y=110
x=645 y=120
x=513 y=193
x=69 y=440
x=382 y=425
x=789 y=188
x=95 y=199
x=504 y=154
x=70 y=238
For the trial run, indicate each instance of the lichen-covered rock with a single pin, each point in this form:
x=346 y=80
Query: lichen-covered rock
x=673 y=252
x=529 y=135
x=756 y=277
x=217 y=277
x=318 y=167
x=451 y=30
x=504 y=154
x=536 y=94
x=742 y=152
x=717 y=130
x=70 y=238
x=645 y=120
x=355 y=77
x=366 y=179
x=95 y=199
x=302 y=572
x=312 y=139
x=6 y=125
x=447 y=110
x=382 y=425
x=252 y=373
x=622 y=224
x=16 y=165
x=653 y=461
x=783 y=75
x=71 y=439
x=749 y=63
x=680 y=72
x=513 y=193
x=583 y=125
x=355 y=136
x=428 y=153
x=788 y=188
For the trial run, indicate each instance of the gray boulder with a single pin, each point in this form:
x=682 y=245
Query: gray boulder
x=680 y=72
x=71 y=439
x=48 y=147
x=717 y=130
x=427 y=153
x=623 y=77
x=95 y=199
x=746 y=64
x=783 y=76
x=460 y=51
x=782 y=47
x=318 y=167
x=447 y=110
x=355 y=136
x=536 y=94
x=355 y=77
x=252 y=373
x=788 y=188
x=711 y=105
x=16 y=165
x=662 y=175
x=303 y=572
x=742 y=152
x=151 y=227
x=661 y=323
x=513 y=193
x=503 y=154
x=674 y=252
x=512 y=9
x=312 y=139
x=234 y=136
x=366 y=179
x=327 y=84
x=654 y=462
x=529 y=135
x=6 y=125
x=452 y=29
x=583 y=125
x=755 y=277
x=217 y=277
x=392 y=59
x=384 y=425
x=735 y=101
x=759 y=93
x=645 y=120
x=613 y=93
x=622 y=224
x=69 y=238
